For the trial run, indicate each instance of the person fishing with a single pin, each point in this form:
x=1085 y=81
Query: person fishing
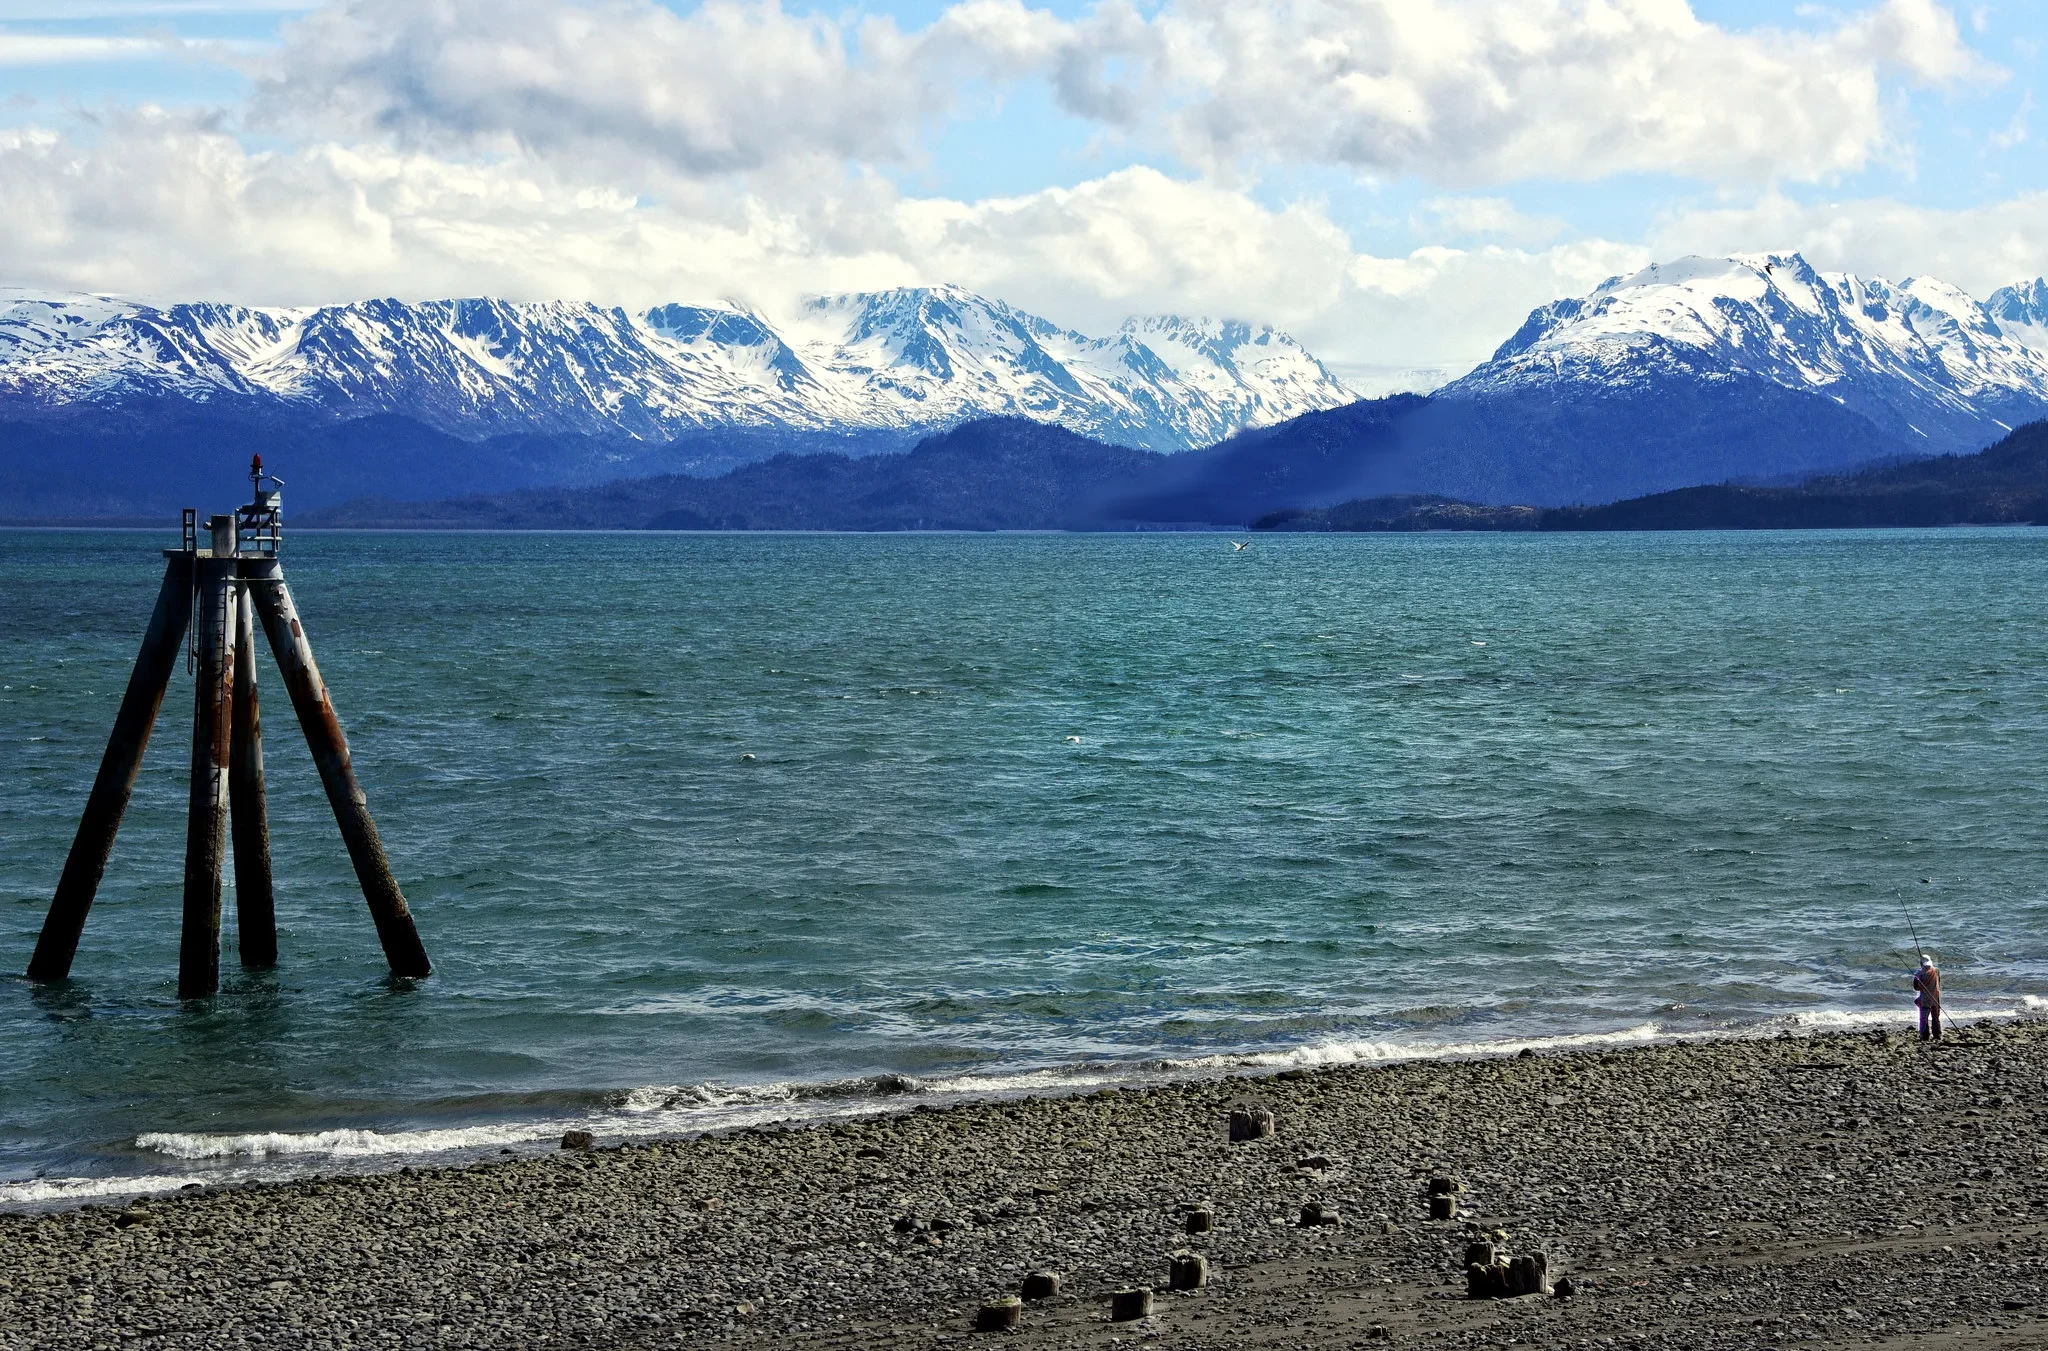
x=1927 y=981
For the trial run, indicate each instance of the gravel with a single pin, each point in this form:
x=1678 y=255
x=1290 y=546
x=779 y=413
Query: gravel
x=1842 y=1190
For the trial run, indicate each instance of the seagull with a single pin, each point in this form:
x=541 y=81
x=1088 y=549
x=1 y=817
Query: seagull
x=1240 y=547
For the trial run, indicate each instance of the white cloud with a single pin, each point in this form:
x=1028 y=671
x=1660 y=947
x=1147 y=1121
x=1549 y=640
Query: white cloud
x=1484 y=217
x=1445 y=306
x=1133 y=242
x=2014 y=133
x=49 y=49
x=72 y=10
x=1457 y=92
x=1464 y=92
x=1978 y=248
x=170 y=206
x=621 y=152
x=1919 y=37
x=13 y=11
x=726 y=88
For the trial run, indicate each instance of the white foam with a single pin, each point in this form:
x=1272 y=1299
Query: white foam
x=1394 y=1052
x=1841 y=1020
x=38 y=1191
x=1052 y=1080
x=688 y=1109
x=344 y=1144
x=686 y=1097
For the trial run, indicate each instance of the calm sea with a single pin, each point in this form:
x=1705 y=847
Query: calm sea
x=705 y=829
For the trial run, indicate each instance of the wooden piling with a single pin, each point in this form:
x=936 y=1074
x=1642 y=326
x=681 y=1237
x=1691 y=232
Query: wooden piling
x=1187 y=1271
x=207 y=815
x=1000 y=1315
x=395 y=928
x=1041 y=1285
x=115 y=782
x=255 y=897
x=1250 y=1123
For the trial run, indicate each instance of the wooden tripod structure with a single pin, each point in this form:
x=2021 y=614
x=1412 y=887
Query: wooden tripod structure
x=220 y=592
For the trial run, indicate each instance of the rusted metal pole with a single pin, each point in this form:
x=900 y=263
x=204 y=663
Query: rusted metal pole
x=255 y=902
x=207 y=818
x=115 y=783
x=395 y=930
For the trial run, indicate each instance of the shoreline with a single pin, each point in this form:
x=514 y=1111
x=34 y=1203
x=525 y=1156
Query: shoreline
x=1840 y=1188
x=652 y=1114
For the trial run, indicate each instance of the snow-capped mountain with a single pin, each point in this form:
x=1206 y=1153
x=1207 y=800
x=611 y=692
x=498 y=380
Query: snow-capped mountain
x=2021 y=312
x=907 y=360
x=1921 y=359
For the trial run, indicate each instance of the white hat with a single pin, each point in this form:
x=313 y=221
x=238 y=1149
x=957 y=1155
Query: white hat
x=1926 y=960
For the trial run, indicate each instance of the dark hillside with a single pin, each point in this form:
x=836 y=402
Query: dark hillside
x=1594 y=444
x=2006 y=484
x=999 y=474
x=149 y=462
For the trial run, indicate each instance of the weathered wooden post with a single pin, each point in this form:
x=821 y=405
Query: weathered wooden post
x=1000 y=1315
x=231 y=582
x=1041 y=1285
x=1250 y=1123
x=255 y=899
x=1187 y=1270
x=310 y=700
x=115 y=782
x=206 y=826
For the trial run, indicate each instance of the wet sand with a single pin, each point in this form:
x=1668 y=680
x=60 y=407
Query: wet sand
x=1844 y=1190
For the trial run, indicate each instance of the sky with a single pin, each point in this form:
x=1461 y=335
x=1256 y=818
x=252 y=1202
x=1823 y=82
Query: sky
x=1395 y=182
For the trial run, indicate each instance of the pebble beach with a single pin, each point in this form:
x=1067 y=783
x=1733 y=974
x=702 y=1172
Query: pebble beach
x=1838 y=1190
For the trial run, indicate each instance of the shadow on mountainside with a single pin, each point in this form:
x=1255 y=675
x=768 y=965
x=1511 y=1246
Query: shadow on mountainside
x=998 y=474
x=2006 y=484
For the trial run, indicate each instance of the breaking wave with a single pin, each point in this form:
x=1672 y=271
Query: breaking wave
x=658 y=1111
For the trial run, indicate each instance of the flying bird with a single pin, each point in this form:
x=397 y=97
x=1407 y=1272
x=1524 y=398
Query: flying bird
x=1240 y=547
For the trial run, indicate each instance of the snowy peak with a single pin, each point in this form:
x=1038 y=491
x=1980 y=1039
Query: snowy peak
x=907 y=359
x=1921 y=358
x=2021 y=312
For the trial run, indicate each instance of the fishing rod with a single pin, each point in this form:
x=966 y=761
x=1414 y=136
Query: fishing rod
x=1912 y=928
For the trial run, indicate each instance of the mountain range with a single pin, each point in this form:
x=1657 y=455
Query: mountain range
x=1706 y=370
x=1922 y=360
x=902 y=361
x=1756 y=368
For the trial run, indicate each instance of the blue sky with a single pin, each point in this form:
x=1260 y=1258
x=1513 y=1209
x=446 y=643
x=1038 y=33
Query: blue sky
x=1396 y=181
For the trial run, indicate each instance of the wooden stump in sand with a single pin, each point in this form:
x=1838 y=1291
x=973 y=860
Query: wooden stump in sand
x=1042 y=1285
x=1250 y=1123
x=1200 y=1220
x=1187 y=1271
x=999 y=1315
x=1529 y=1275
x=1127 y=1306
x=1503 y=1277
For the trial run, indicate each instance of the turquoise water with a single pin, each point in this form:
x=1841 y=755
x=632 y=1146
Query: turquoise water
x=707 y=828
